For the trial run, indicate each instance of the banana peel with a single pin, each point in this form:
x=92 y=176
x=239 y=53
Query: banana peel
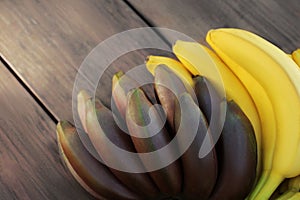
x=102 y=130
x=138 y=118
x=236 y=150
x=121 y=85
x=168 y=87
x=91 y=174
x=205 y=96
x=153 y=61
x=195 y=186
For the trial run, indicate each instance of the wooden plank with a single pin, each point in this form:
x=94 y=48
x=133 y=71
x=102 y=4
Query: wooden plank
x=30 y=167
x=276 y=20
x=46 y=41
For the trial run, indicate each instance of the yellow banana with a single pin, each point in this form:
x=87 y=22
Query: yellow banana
x=153 y=61
x=296 y=56
x=187 y=53
x=279 y=76
x=265 y=111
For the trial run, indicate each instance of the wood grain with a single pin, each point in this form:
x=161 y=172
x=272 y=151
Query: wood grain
x=276 y=20
x=30 y=167
x=46 y=41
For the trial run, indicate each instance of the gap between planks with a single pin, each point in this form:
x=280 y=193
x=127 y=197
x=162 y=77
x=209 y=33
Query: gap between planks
x=36 y=97
x=28 y=89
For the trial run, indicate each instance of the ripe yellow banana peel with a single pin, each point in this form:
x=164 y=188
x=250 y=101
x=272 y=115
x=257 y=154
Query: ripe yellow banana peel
x=279 y=77
x=153 y=61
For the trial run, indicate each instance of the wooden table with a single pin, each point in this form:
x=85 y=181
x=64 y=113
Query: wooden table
x=43 y=43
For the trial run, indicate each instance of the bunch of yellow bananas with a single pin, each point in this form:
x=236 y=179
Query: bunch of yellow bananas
x=262 y=86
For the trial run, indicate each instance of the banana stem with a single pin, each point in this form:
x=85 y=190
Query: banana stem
x=287 y=195
x=264 y=176
x=270 y=186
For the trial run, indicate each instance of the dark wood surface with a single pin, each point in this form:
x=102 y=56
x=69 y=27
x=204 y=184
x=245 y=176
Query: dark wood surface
x=44 y=43
x=30 y=167
x=276 y=20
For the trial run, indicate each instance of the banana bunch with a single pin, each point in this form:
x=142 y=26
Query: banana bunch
x=257 y=149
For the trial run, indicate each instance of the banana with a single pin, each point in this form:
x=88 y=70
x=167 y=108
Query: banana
x=167 y=86
x=195 y=58
x=138 y=118
x=121 y=85
x=97 y=115
x=200 y=174
x=194 y=55
x=82 y=97
x=268 y=64
x=204 y=96
x=153 y=61
x=296 y=56
x=91 y=174
x=236 y=150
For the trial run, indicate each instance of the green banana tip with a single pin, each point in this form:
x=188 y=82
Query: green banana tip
x=116 y=77
x=62 y=123
x=59 y=126
x=90 y=105
x=136 y=98
x=63 y=126
x=134 y=92
x=119 y=74
x=83 y=94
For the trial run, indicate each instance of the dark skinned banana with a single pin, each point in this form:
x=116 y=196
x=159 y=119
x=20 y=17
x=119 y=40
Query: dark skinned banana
x=206 y=94
x=100 y=124
x=167 y=87
x=121 y=85
x=95 y=177
x=200 y=174
x=138 y=116
x=236 y=150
